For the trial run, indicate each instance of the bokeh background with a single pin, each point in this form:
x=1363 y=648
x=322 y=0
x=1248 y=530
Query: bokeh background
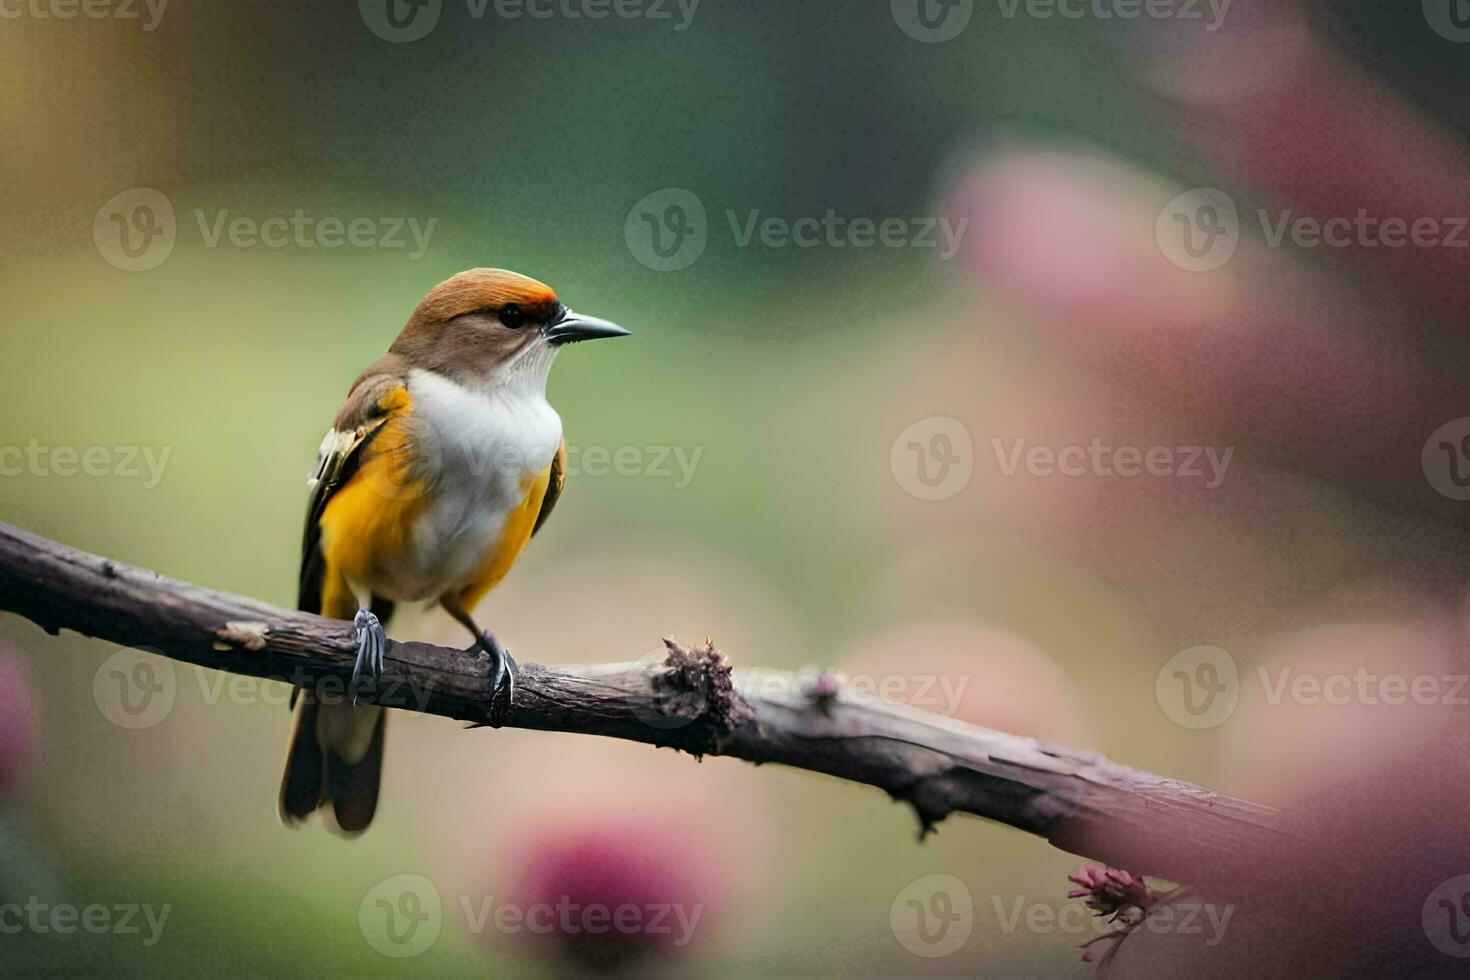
x=803 y=387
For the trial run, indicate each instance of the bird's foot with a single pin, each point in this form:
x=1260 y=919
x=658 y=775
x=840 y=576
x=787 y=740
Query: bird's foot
x=502 y=677
x=372 y=644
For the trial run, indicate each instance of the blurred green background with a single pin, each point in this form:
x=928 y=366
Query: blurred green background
x=789 y=371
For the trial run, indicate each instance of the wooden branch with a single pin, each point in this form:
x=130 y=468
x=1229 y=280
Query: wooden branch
x=691 y=700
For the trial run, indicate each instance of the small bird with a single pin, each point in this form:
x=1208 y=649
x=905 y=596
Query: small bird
x=444 y=462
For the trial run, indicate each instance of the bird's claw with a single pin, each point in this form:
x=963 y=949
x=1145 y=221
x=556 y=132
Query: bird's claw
x=502 y=676
x=372 y=644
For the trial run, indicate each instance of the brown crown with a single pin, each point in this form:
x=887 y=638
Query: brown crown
x=484 y=289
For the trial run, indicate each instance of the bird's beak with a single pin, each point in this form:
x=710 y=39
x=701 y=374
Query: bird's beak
x=574 y=327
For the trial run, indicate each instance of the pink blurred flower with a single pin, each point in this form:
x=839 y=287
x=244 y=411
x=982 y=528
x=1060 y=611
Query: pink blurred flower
x=19 y=711
x=612 y=899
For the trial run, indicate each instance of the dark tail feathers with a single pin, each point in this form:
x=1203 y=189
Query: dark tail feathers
x=334 y=763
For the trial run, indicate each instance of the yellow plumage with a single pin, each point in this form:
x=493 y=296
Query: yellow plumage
x=443 y=463
x=368 y=523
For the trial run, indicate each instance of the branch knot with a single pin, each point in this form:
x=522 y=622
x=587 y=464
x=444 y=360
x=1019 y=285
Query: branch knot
x=696 y=686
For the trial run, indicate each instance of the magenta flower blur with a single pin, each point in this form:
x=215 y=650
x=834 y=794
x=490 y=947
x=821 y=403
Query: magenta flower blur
x=18 y=718
x=612 y=900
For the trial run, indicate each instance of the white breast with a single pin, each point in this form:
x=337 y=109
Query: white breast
x=479 y=448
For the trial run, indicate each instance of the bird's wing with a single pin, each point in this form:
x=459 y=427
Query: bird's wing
x=377 y=394
x=553 y=486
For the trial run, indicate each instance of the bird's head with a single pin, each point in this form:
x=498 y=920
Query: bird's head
x=490 y=326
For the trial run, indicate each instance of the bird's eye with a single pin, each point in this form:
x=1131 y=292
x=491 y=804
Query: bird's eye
x=512 y=316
